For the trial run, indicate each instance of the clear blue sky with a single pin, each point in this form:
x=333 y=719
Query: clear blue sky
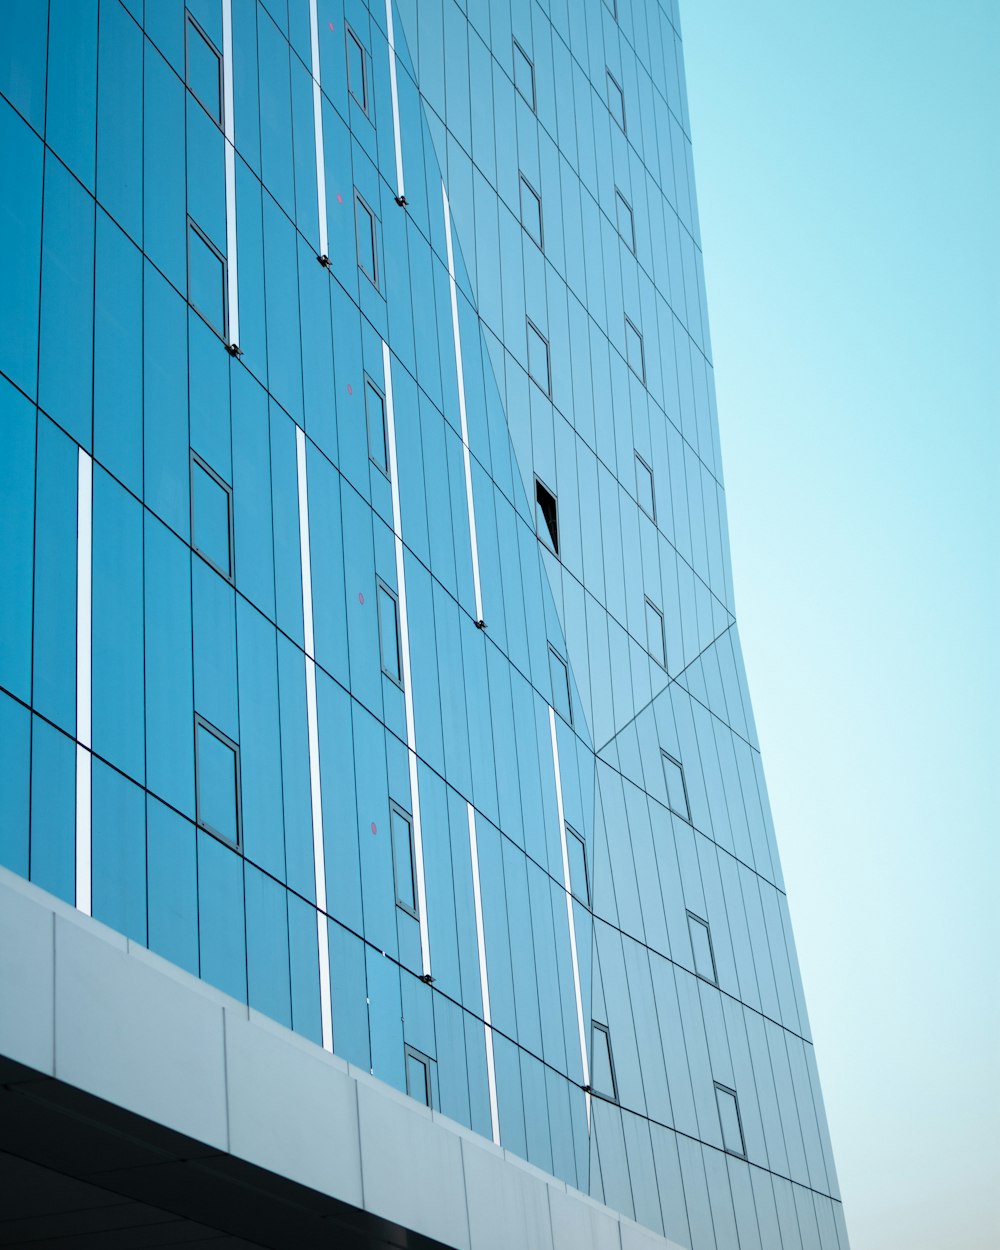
x=847 y=160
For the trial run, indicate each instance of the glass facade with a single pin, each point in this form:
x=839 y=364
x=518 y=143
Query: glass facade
x=303 y=301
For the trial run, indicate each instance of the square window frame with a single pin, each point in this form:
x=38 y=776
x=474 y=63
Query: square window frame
x=198 y=462
x=547 y=388
x=597 y=1027
x=524 y=184
x=361 y=203
x=191 y=20
x=397 y=809
x=380 y=585
x=223 y=334
x=411 y=1052
x=569 y=693
x=612 y=81
x=621 y=200
x=573 y=833
x=725 y=1089
x=693 y=918
x=201 y=723
x=349 y=37
x=640 y=373
x=665 y=755
x=546 y=536
x=371 y=386
x=533 y=102
x=641 y=460
x=663 y=634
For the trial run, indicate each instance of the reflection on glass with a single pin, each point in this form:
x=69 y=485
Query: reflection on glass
x=211 y=516
x=357 y=70
x=418 y=1084
x=633 y=350
x=531 y=210
x=616 y=100
x=367 y=253
x=677 y=798
x=578 y=879
x=701 y=948
x=524 y=74
x=644 y=487
x=206 y=279
x=538 y=358
x=402 y=859
x=602 y=1068
x=626 y=222
x=559 y=675
x=203 y=66
x=388 y=633
x=729 y=1119
x=218 y=782
x=654 y=634
x=375 y=415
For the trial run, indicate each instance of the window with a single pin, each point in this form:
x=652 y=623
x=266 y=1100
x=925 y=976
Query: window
x=701 y=948
x=616 y=100
x=559 y=675
x=538 y=358
x=644 y=487
x=633 y=350
x=206 y=275
x=401 y=826
x=626 y=221
x=546 y=515
x=388 y=633
x=211 y=517
x=729 y=1119
x=524 y=75
x=357 y=69
x=602 y=1067
x=203 y=69
x=677 y=795
x=367 y=246
x=531 y=210
x=418 y=1076
x=579 y=882
x=375 y=416
x=217 y=783
x=655 y=644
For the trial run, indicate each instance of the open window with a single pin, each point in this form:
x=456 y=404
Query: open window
x=546 y=515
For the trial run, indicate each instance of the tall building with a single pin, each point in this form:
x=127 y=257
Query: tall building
x=375 y=731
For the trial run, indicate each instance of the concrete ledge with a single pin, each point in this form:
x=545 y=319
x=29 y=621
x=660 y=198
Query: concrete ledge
x=82 y=1009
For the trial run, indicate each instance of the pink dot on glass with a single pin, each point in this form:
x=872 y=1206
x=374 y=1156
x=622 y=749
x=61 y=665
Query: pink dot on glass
x=330 y=25
x=361 y=598
x=374 y=828
x=340 y=199
x=350 y=389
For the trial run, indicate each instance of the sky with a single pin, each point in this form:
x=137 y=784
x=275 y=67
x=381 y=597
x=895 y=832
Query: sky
x=847 y=159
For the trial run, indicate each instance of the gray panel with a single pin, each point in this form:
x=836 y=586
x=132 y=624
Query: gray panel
x=508 y=1203
x=27 y=949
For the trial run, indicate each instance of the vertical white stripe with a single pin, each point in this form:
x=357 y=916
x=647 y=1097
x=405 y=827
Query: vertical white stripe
x=400 y=190
x=227 y=118
x=404 y=647
x=324 y=243
x=483 y=978
x=312 y=717
x=569 y=908
x=84 y=651
x=460 y=371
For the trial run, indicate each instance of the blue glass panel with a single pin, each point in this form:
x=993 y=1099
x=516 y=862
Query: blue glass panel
x=211 y=521
x=267 y=947
x=349 y=991
x=281 y=282
x=15 y=777
x=221 y=917
x=166 y=445
x=215 y=691
x=22 y=59
x=385 y=1016
x=204 y=70
x=218 y=785
x=17 y=523
x=118 y=659
x=295 y=770
x=172 y=885
x=303 y=959
x=164 y=167
x=119 y=119
x=206 y=285
x=53 y=810
x=119 y=852
x=118 y=355
x=20 y=246
x=285 y=514
x=260 y=741
x=71 y=106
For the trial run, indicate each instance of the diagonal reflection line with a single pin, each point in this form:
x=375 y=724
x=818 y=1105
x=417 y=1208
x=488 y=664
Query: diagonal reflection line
x=680 y=673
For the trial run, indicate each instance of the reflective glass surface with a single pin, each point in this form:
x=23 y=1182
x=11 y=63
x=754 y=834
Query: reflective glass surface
x=204 y=70
x=206 y=280
x=211 y=519
x=677 y=799
x=218 y=809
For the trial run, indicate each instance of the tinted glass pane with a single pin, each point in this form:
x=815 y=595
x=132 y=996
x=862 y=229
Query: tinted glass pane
x=644 y=486
x=654 y=634
x=729 y=1117
x=531 y=212
x=701 y=947
x=402 y=860
x=538 y=358
x=560 y=685
x=388 y=625
x=577 y=865
x=375 y=411
x=633 y=349
x=417 y=1085
x=524 y=74
x=676 y=790
x=616 y=101
x=204 y=71
x=366 y=239
x=217 y=806
x=357 y=77
x=626 y=223
x=211 y=518
x=602 y=1074
x=206 y=280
